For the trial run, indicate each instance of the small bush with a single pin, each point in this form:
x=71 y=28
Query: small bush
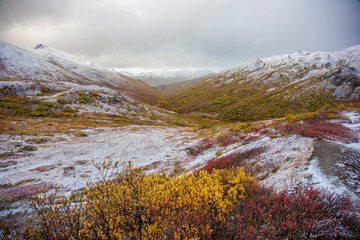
x=68 y=170
x=200 y=147
x=240 y=127
x=84 y=98
x=6 y=154
x=38 y=140
x=44 y=168
x=222 y=140
x=63 y=101
x=7 y=164
x=68 y=109
x=25 y=181
x=45 y=90
x=27 y=148
x=81 y=162
x=237 y=159
x=43 y=108
x=79 y=134
x=219 y=153
x=228 y=140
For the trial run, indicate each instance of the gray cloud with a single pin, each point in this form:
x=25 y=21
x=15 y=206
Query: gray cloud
x=180 y=33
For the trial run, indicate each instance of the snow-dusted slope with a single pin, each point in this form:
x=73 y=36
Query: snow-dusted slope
x=341 y=69
x=156 y=78
x=299 y=60
x=55 y=69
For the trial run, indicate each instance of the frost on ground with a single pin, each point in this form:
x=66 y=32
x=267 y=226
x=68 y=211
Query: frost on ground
x=66 y=159
x=68 y=163
x=282 y=164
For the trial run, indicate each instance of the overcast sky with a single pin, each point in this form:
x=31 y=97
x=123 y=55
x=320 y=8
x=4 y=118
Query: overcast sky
x=178 y=34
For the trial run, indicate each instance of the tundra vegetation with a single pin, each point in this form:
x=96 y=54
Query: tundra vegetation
x=222 y=203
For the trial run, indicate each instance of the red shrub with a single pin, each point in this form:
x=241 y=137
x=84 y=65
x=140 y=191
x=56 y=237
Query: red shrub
x=304 y=213
x=200 y=147
x=330 y=131
x=222 y=141
x=237 y=159
x=251 y=138
x=228 y=140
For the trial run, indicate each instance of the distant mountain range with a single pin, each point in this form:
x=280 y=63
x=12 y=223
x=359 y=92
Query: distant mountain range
x=157 y=78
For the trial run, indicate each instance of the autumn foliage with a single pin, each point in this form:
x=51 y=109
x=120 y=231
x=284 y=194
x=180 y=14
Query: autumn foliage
x=223 y=204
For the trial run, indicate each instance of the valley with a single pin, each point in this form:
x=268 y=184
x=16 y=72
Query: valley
x=290 y=120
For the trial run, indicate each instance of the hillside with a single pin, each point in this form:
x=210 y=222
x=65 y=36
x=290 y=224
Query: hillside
x=28 y=70
x=44 y=89
x=275 y=86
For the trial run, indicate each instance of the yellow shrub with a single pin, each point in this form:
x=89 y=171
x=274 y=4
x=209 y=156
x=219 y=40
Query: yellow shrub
x=135 y=205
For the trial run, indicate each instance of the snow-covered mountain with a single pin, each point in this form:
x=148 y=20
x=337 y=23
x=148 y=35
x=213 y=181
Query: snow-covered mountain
x=276 y=86
x=156 y=78
x=341 y=69
x=29 y=69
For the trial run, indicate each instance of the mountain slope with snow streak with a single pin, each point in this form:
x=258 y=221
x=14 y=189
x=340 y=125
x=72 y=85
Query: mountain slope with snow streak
x=47 y=67
x=275 y=86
